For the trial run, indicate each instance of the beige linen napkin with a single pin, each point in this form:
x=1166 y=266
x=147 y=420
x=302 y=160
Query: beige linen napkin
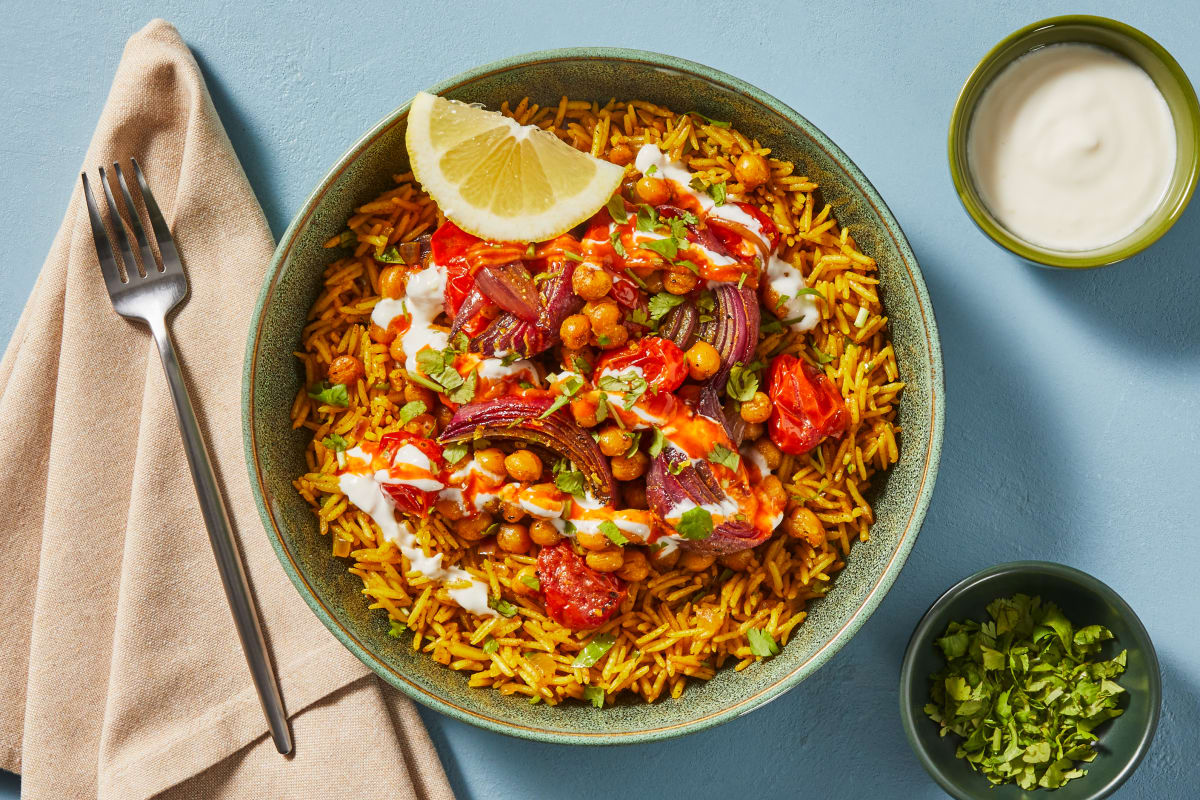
x=123 y=676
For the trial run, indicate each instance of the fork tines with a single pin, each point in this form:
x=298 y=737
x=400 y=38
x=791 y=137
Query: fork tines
x=120 y=223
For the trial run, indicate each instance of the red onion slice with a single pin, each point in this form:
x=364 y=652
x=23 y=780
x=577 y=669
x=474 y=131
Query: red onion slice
x=696 y=483
x=680 y=323
x=508 y=333
x=510 y=286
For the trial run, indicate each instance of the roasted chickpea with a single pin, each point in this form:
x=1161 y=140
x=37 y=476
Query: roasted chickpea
x=490 y=460
x=622 y=154
x=772 y=487
x=518 y=584
x=396 y=350
x=381 y=335
x=634 y=495
x=664 y=559
x=575 y=331
x=583 y=409
x=512 y=512
x=751 y=171
x=635 y=567
x=345 y=369
x=422 y=425
x=472 y=529
x=653 y=281
x=416 y=393
x=680 y=281
x=593 y=540
x=626 y=469
x=392 y=282
x=693 y=561
x=739 y=561
x=769 y=452
x=543 y=533
x=613 y=441
x=654 y=191
x=443 y=415
x=802 y=523
x=523 y=465
x=609 y=560
x=591 y=283
x=757 y=408
x=513 y=538
x=703 y=361
x=450 y=509
x=569 y=357
x=602 y=315
x=754 y=430
x=610 y=338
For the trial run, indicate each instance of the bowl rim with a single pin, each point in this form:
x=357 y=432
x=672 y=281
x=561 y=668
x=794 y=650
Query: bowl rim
x=960 y=118
x=924 y=630
x=882 y=583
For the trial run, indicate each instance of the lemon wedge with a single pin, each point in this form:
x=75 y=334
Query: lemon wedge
x=500 y=180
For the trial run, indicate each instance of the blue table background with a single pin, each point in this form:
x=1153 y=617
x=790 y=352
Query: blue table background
x=1071 y=429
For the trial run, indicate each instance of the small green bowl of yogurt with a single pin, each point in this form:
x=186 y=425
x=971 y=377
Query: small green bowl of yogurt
x=1075 y=142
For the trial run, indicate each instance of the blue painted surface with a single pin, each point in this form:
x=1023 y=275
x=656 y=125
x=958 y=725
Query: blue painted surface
x=1071 y=432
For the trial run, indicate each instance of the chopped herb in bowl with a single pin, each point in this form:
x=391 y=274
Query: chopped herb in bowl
x=1025 y=691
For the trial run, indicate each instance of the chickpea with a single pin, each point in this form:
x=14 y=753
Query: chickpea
x=613 y=441
x=422 y=425
x=593 y=540
x=443 y=415
x=396 y=350
x=414 y=392
x=621 y=154
x=754 y=430
x=739 y=561
x=634 y=495
x=583 y=409
x=654 y=191
x=575 y=331
x=591 y=283
x=611 y=338
x=757 y=408
x=772 y=487
x=381 y=335
x=345 y=369
x=771 y=454
x=490 y=460
x=511 y=512
x=543 y=533
x=514 y=538
x=449 y=509
x=568 y=356
x=523 y=465
x=603 y=315
x=751 y=170
x=609 y=560
x=391 y=282
x=653 y=281
x=665 y=559
x=703 y=361
x=626 y=469
x=694 y=561
x=472 y=529
x=635 y=567
x=680 y=282
x=518 y=584
x=802 y=523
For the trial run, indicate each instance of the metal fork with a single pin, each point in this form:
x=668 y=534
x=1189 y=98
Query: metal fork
x=149 y=297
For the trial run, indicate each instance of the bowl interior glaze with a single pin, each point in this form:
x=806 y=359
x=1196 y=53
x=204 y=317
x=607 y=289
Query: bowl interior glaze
x=273 y=376
x=1085 y=601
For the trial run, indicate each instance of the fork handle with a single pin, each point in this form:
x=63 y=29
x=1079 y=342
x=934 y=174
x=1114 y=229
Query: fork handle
x=220 y=534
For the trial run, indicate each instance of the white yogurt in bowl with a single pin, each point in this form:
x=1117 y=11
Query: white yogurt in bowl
x=1072 y=147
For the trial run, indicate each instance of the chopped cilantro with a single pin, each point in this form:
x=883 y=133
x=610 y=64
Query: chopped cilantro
x=667 y=248
x=335 y=395
x=453 y=453
x=491 y=646
x=635 y=440
x=689 y=266
x=716 y=123
x=594 y=650
x=761 y=643
x=410 y=410
x=335 y=442
x=743 y=383
x=610 y=529
x=656 y=446
x=717 y=193
x=508 y=359
x=532 y=582
x=650 y=170
x=647 y=218
x=696 y=523
x=615 y=240
x=822 y=356
x=594 y=695
x=572 y=255
x=531 y=250
x=569 y=387
x=502 y=606
x=582 y=365
x=466 y=392
x=390 y=256
x=633 y=276
x=604 y=339
x=569 y=479
x=348 y=238
x=720 y=454
x=397 y=628
x=616 y=209
x=662 y=303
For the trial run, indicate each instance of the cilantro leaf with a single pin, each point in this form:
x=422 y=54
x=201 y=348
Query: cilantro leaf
x=331 y=395
x=466 y=392
x=656 y=446
x=412 y=409
x=502 y=606
x=335 y=442
x=743 y=383
x=720 y=454
x=616 y=209
x=390 y=256
x=717 y=193
x=491 y=646
x=662 y=303
x=647 y=218
x=615 y=240
x=569 y=479
x=667 y=248
x=594 y=650
x=695 y=524
x=610 y=529
x=453 y=453
x=397 y=628
x=762 y=644
x=594 y=695
x=532 y=582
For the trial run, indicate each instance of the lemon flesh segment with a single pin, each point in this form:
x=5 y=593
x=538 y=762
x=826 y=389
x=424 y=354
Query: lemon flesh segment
x=501 y=180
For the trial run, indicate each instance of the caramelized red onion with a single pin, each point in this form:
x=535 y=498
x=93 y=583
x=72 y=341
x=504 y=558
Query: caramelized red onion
x=508 y=333
x=472 y=304
x=733 y=330
x=710 y=405
x=755 y=238
x=510 y=286
x=519 y=419
x=696 y=483
x=680 y=323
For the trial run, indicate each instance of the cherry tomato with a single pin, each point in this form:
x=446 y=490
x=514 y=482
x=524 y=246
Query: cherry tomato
x=662 y=362
x=807 y=406
x=410 y=499
x=577 y=596
x=448 y=247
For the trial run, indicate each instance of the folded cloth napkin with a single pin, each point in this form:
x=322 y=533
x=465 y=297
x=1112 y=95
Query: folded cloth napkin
x=123 y=676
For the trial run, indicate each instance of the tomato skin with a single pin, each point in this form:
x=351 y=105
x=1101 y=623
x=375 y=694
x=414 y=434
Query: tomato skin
x=448 y=247
x=662 y=362
x=577 y=596
x=808 y=408
x=410 y=499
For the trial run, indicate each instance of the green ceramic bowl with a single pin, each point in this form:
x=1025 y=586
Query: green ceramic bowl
x=1085 y=601
x=1126 y=41
x=273 y=376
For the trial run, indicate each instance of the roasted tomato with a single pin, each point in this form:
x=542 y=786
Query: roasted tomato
x=411 y=499
x=448 y=246
x=807 y=406
x=661 y=361
x=577 y=595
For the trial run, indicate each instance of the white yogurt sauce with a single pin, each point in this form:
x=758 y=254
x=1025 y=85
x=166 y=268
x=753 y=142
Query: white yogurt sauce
x=1072 y=147
x=423 y=301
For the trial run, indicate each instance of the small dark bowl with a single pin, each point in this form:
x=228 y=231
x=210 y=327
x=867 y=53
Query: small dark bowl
x=1085 y=601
